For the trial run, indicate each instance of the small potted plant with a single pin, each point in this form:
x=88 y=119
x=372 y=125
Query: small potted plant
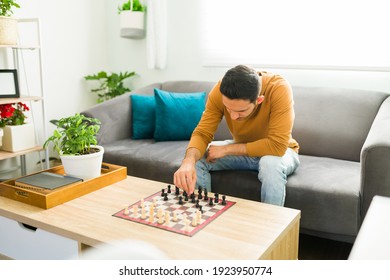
x=132 y=19
x=75 y=142
x=17 y=134
x=8 y=24
x=111 y=85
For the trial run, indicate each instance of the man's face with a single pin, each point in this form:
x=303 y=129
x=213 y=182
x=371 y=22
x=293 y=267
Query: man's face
x=238 y=108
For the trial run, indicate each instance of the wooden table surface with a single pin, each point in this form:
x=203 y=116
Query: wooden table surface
x=248 y=230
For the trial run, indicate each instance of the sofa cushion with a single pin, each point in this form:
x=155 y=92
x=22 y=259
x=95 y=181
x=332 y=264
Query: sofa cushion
x=177 y=114
x=327 y=191
x=143 y=110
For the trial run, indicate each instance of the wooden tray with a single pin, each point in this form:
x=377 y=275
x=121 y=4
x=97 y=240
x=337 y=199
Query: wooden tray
x=47 y=199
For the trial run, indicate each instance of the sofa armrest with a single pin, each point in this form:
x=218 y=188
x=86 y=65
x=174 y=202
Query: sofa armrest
x=115 y=115
x=375 y=159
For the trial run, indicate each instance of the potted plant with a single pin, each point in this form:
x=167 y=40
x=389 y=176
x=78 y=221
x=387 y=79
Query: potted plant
x=8 y=25
x=132 y=19
x=110 y=85
x=75 y=142
x=17 y=134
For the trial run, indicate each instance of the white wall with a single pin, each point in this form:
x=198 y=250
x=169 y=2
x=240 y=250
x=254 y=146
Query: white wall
x=81 y=37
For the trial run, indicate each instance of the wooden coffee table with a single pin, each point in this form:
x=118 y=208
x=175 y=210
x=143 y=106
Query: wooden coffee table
x=247 y=230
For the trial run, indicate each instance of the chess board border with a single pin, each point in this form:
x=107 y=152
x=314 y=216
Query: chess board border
x=120 y=214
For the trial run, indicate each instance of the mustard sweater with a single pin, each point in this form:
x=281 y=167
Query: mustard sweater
x=266 y=131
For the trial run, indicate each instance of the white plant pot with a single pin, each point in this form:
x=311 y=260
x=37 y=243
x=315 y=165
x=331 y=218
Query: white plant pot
x=84 y=166
x=18 y=137
x=132 y=24
x=8 y=31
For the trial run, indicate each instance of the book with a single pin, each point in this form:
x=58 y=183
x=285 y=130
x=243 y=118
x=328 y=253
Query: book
x=46 y=180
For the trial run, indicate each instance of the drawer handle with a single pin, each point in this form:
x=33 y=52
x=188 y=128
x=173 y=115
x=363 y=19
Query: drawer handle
x=26 y=226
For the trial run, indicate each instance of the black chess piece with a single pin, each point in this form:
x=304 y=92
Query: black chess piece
x=200 y=209
x=200 y=195
x=193 y=199
x=177 y=190
x=205 y=197
x=180 y=200
x=211 y=203
x=197 y=203
x=223 y=200
x=169 y=189
x=216 y=198
x=162 y=192
x=165 y=196
x=185 y=196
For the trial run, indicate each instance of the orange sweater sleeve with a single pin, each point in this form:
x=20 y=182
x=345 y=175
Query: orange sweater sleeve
x=212 y=116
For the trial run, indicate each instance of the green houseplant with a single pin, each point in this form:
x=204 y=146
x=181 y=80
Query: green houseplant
x=76 y=143
x=132 y=19
x=8 y=25
x=111 y=85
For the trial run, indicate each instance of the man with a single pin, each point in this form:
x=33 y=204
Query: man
x=258 y=108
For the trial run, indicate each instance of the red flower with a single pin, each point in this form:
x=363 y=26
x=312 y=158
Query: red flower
x=12 y=114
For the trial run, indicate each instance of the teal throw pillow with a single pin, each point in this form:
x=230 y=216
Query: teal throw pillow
x=143 y=114
x=177 y=114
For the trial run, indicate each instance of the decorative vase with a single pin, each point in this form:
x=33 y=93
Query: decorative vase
x=84 y=166
x=18 y=137
x=8 y=31
x=132 y=24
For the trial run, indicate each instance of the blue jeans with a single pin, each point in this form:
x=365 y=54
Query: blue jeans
x=273 y=172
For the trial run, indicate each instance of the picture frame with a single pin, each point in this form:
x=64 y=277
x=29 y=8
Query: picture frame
x=9 y=85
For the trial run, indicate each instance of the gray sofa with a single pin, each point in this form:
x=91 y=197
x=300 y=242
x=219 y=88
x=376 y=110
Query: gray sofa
x=344 y=136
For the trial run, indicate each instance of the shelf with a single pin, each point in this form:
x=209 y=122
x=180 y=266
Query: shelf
x=20 y=99
x=19 y=47
x=5 y=155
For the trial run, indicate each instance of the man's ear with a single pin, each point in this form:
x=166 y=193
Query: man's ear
x=260 y=99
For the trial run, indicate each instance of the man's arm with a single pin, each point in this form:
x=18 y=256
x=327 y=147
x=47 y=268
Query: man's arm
x=216 y=152
x=185 y=176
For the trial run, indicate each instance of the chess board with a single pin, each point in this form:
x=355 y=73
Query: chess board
x=186 y=210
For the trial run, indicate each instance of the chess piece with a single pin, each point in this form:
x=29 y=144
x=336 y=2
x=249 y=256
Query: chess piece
x=180 y=200
x=177 y=190
x=185 y=197
x=198 y=217
x=174 y=216
x=169 y=189
x=126 y=211
x=200 y=209
x=167 y=218
x=211 y=201
x=187 y=225
x=223 y=200
x=165 y=197
x=197 y=203
x=194 y=221
x=143 y=212
x=216 y=198
x=162 y=192
x=135 y=210
x=205 y=197
x=160 y=216
x=154 y=201
x=151 y=214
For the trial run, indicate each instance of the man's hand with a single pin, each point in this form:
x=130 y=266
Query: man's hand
x=215 y=152
x=185 y=176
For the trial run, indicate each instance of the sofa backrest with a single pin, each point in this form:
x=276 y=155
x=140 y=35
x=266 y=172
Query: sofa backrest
x=334 y=122
x=329 y=122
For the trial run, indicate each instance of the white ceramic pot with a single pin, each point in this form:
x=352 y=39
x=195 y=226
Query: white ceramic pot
x=84 y=166
x=8 y=31
x=132 y=24
x=18 y=137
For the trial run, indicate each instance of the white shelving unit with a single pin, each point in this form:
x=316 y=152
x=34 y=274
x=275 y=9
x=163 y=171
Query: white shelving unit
x=39 y=97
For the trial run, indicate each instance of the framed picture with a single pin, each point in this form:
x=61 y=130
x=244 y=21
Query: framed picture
x=9 y=86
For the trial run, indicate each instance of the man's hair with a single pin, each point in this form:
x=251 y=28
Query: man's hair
x=241 y=82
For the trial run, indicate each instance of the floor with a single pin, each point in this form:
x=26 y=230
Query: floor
x=315 y=248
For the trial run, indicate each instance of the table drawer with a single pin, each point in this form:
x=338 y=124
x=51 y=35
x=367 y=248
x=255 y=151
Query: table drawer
x=20 y=241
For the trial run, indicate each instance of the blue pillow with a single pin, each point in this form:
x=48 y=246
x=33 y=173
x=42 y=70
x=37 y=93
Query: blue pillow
x=177 y=114
x=143 y=114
